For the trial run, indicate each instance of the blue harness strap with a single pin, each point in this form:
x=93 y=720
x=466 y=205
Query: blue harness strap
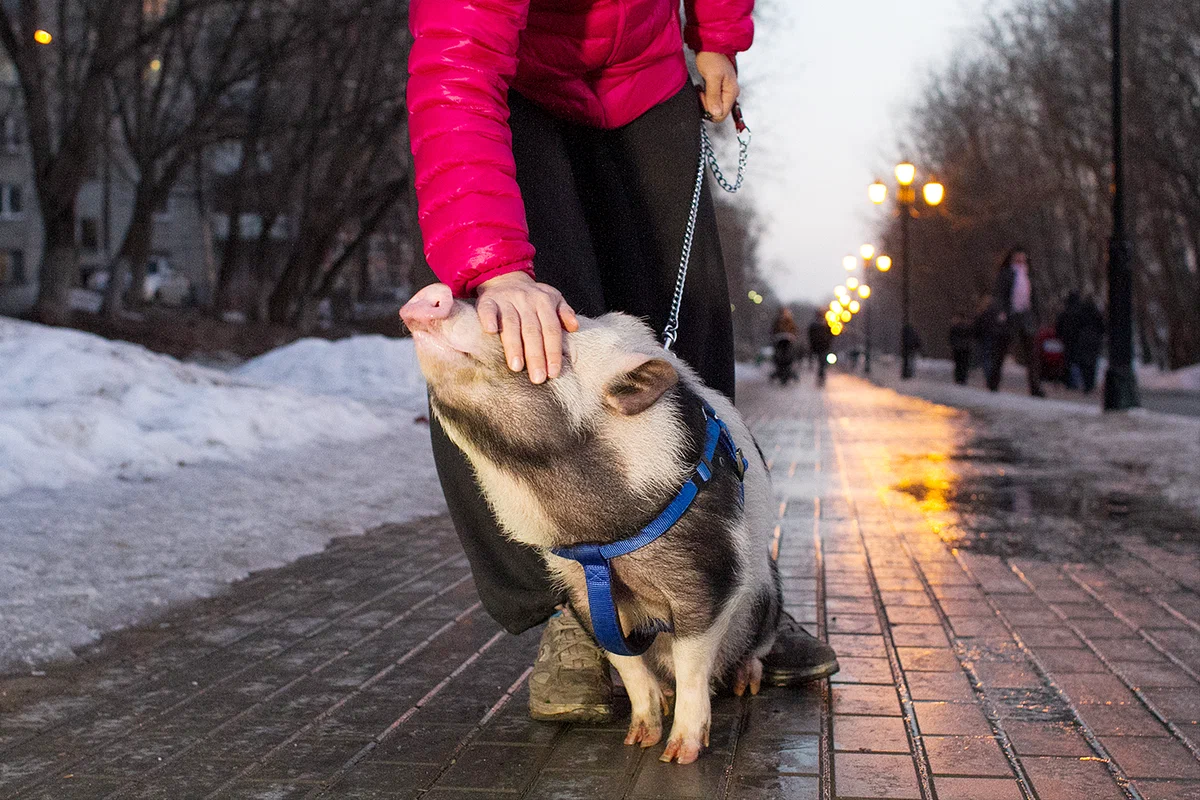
x=596 y=559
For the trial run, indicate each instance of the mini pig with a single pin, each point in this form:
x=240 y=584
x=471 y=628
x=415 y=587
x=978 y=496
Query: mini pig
x=593 y=456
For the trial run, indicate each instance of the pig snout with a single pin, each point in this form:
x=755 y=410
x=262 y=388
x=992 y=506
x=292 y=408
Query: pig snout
x=428 y=308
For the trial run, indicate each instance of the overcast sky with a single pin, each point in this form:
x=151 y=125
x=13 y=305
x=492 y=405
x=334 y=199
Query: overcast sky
x=826 y=85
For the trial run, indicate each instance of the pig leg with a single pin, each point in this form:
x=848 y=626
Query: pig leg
x=645 y=697
x=693 y=659
x=749 y=674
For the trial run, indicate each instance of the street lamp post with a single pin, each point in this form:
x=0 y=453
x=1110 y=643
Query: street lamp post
x=1120 y=383
x=906 y=196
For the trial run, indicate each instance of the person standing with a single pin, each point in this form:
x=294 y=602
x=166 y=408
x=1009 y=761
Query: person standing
x=1017 y=316
x=555 y=148
x=1089 y=339
x=820 y=338
x=962 y=334
x=783 y=343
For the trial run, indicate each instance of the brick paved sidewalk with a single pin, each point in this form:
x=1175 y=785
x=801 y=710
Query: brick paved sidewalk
x=371 y=671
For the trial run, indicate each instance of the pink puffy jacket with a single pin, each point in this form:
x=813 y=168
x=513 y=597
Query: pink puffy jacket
x=597 y=62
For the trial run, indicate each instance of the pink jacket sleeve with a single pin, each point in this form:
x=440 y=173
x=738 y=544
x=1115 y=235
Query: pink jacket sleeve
x=719 y=26
x=464 y=55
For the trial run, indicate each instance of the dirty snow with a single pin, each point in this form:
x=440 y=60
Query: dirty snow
x=369 y=368
x=74 y=406
x=132 y=481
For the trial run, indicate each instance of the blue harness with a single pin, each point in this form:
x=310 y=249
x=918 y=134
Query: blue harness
x=596 y=558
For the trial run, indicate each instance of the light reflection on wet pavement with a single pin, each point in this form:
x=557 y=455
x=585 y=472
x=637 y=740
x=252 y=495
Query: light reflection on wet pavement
x=1035 y=626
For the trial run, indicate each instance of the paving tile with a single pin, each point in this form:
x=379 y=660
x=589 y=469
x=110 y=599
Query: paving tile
x=870 y=734
x=1151 y=757
x=948 y=686
x=1046 y=739
x=927 y=659
x=867 y=700
x=976 y=789
x=1179 y=705
x=966 y=756
x=1064 y=778
x=861 y=646
x=693 y=781
x=494 y=766
x=863 y=670
x=773 y=787
x=555 y=784
x=778 y=755
x=1144 y=674
x=1120 y=720
x=854 y=623
x=1007 y=675
x=916 y=615
x=1169 y=790
x=919 y=636
x=1069 y=660
x=868 y=775
x=937 y=718
x=1049 y=637
x=1106 y=689
x=970 y=627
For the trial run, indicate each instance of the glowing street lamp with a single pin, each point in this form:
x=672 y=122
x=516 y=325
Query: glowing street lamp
x=852 y=283
x=864 y=291
x=933 y=193
x=43 y=37
x=867 y=251
x=855 y=306
x=883 y=263
x=850 y=263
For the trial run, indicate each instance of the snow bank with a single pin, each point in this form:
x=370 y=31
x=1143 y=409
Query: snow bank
x=1185 y=379
x=74 y=406
x=369 y=368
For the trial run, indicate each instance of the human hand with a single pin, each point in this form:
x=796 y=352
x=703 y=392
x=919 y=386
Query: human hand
x=530 y=318
x=720 y=84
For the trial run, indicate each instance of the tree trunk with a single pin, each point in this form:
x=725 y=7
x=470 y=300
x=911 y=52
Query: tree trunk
x=60 y=264
x=135 y=250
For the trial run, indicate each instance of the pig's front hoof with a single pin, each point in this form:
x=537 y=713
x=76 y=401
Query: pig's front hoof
x=647 y=732
x=683 y=750
x=749 y=674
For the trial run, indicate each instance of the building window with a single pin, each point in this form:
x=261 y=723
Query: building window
x=14 y=133
x=12 y=267
x=11 y=202
x=89 y=233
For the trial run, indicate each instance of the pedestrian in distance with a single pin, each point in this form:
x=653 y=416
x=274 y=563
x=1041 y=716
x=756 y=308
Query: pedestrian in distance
x=962 y=335
x=985 y=328
x=1080 y=325
x=1017 y=318
x=783 y=341
x=555 y=150
x=820 y=339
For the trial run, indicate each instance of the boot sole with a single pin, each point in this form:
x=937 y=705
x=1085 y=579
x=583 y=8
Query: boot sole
x=783 y=678
x=570 y=712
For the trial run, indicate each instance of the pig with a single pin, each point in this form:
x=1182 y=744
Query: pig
x=592 y=456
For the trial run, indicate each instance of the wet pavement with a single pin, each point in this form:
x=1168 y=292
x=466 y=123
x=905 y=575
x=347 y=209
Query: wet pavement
x=1006 y=628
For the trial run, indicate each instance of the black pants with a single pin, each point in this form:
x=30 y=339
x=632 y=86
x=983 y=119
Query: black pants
x=607 y=212
x=1021 y=328
x=962 y=364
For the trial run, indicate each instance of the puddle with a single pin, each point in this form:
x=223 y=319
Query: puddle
x=992 y=501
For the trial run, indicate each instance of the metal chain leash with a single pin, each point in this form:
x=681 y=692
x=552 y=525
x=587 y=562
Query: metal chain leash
x=708 y=158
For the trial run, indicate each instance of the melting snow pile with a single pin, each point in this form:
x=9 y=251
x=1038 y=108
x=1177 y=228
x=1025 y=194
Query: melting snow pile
x=374 y=369
x=74 y=406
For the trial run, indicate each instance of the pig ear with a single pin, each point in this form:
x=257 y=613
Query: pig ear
x=634 y=391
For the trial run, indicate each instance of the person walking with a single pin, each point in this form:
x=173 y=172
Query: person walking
x=1017 y=316
x=555 y=149
x=820 y=338
x=962 y=334
x=783 y=341
x=1084 y=352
